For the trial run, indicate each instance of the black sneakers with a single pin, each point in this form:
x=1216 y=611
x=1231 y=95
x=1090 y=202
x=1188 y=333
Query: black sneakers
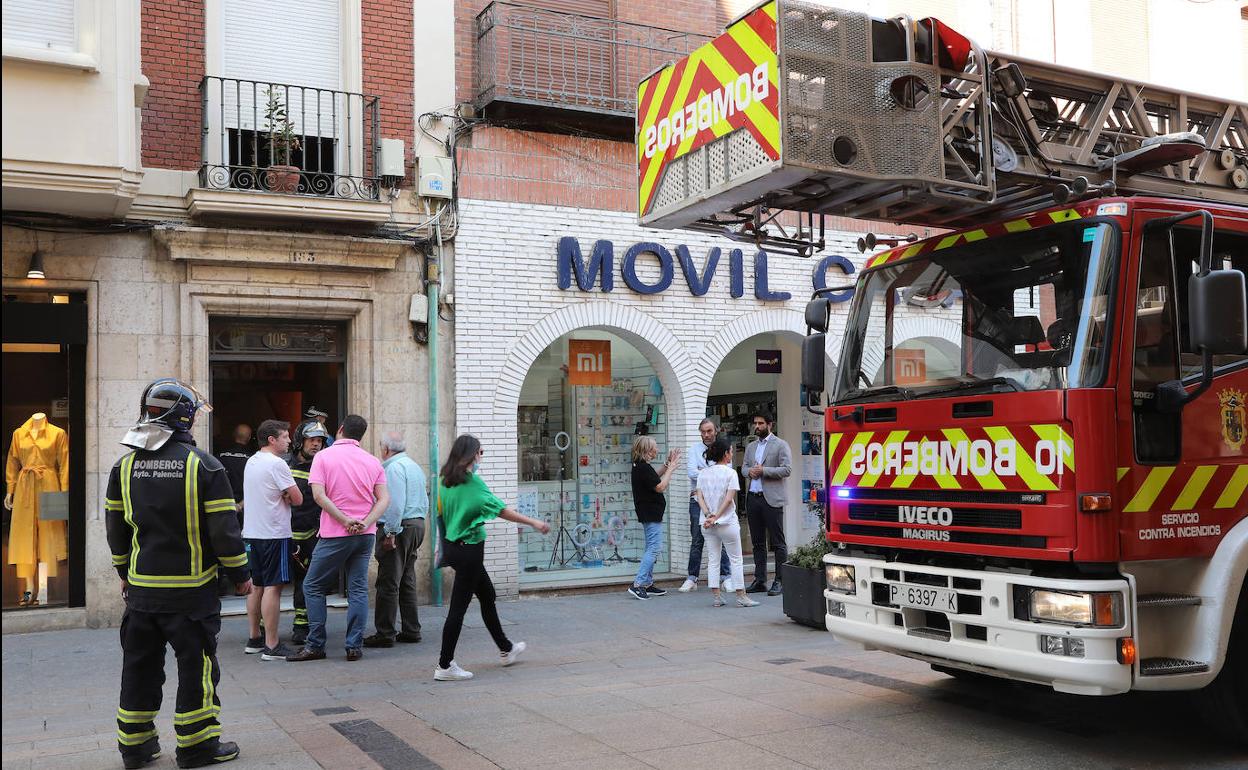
x=254 y=645
x=757 y=587
x=776 y=588
x=638 y=593
x=280 y=652
x=223 y=752
x=653 y=590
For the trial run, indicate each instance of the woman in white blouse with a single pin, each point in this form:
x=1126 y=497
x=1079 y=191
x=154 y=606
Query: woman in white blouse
x=718 y=484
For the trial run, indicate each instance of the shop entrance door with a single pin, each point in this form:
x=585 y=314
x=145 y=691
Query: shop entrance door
x=274 y=369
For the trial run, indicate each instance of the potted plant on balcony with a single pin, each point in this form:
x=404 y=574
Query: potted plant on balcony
x=804 y=581
x=279 y=145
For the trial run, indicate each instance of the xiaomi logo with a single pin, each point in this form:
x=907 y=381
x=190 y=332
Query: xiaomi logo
x=589 y=362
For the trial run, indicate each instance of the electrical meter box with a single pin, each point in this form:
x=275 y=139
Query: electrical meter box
x=804 y=107
x=436 y=176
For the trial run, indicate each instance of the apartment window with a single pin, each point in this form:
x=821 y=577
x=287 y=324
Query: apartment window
x=44 y=24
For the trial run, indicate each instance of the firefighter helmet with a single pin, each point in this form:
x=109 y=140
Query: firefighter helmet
x=307 y=429
x=171 y=403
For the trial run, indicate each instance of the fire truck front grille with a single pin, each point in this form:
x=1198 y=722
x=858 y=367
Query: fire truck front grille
x=949 y=496
x=972 y=538
x=962 y=517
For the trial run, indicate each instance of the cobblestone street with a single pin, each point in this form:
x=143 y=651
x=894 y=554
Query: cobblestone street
x=607 y=682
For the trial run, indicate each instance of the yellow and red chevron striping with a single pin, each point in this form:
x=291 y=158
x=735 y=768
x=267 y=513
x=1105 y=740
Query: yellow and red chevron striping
x=938 y=243
x=668 y=101
x=1183 y=487
x=1016 y=458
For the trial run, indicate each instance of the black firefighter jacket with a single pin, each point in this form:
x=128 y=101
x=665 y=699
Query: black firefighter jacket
x=171 y=523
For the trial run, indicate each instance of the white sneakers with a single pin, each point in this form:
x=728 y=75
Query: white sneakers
x=452 y=673
x=689 y=585
x=510 y=657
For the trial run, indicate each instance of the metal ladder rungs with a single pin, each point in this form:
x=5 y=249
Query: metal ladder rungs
x=1170 y=666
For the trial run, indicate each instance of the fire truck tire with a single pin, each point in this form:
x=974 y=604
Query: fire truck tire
x=1225 y=700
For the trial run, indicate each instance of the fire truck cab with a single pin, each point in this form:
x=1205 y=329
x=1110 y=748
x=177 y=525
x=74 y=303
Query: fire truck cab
x=1036 y=449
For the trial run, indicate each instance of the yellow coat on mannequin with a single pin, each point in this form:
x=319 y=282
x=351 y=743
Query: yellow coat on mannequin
x=38 y=462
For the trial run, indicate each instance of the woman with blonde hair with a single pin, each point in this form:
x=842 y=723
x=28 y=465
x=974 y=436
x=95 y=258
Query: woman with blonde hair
x=650 y=504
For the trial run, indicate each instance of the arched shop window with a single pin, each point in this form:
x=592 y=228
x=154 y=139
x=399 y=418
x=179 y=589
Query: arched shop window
x=600 y=392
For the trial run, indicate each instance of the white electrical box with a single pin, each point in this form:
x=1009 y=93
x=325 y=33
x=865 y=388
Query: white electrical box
x=418 y=310
x=436 y=176
x=392 y=158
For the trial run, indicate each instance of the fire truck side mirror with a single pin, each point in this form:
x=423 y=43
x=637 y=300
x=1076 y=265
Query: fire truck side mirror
x=817 y=314
x=813 y=362
x=1219 y=316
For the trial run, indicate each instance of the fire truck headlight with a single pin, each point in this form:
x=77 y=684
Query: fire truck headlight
x=841 y=578
x=1076 y=608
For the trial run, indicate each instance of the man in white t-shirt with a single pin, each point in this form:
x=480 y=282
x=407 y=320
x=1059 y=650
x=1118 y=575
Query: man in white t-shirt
x=269 y=490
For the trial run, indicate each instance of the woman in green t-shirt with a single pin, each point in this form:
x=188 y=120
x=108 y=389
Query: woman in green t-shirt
x=465 y=503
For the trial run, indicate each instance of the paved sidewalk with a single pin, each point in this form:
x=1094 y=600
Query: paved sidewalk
x=608 y=682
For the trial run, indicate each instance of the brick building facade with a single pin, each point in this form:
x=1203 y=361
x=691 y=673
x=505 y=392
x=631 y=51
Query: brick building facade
x=198 y=263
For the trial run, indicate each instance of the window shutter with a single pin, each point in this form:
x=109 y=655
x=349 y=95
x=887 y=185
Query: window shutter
x=292 y=43
x=41 y=23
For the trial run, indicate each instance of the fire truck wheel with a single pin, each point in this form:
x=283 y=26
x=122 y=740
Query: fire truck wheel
x=1225 y=701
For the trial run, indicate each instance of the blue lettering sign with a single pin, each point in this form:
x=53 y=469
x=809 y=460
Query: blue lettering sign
x=699 y=285
x=601 y=263
x=820 y=278
x=736 y=274
x=630 y=268
x=760 y=281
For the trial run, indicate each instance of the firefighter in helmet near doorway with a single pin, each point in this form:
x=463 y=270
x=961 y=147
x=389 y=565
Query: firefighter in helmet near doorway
x=305 y=519
x=171 y=525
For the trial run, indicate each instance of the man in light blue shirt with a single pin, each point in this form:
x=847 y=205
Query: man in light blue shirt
x=400 y=532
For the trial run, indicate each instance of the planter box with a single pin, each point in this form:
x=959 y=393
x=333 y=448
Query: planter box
x=803 y=595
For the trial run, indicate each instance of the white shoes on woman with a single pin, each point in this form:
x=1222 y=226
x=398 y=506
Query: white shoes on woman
x=453 y=673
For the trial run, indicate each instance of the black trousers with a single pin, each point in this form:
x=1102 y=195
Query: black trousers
x=471 y=579
x=396 y=580
x=298 y=571
x=144 y=636
x=766 y=523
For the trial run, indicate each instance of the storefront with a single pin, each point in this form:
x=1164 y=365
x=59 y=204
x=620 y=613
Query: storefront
x=262 y=336
x=44 y=413
x=274 y=368
x=579 y=322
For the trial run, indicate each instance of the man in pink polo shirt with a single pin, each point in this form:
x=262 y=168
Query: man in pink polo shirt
x=349 y=485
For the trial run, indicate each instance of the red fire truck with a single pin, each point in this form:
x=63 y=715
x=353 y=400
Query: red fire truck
x=1036 y=420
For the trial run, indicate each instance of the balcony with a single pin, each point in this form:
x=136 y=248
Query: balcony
x=554 y=70
x=276 y=150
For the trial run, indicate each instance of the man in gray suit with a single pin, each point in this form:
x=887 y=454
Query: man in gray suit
x=767 y=463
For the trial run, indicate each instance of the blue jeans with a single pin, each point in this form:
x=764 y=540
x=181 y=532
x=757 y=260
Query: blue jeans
x=654 y=542
x=331 y=555
x=696 y=541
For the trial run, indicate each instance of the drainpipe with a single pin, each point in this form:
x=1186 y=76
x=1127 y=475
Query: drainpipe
x=432 y=282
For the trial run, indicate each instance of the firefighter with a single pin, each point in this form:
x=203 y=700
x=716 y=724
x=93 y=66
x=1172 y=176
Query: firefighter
x=169 y=514
x=305 y=519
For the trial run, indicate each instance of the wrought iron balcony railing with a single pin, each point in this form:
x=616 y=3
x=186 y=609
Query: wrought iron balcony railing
x=289 y=139
x=548 y=59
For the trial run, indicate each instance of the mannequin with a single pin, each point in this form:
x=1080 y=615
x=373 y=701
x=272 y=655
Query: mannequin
x=38 y=462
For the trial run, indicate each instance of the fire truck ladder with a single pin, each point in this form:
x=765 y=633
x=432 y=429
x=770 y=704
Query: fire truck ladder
x=910 y=122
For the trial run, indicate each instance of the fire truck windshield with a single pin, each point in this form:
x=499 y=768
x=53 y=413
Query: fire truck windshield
x=1028 y=311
